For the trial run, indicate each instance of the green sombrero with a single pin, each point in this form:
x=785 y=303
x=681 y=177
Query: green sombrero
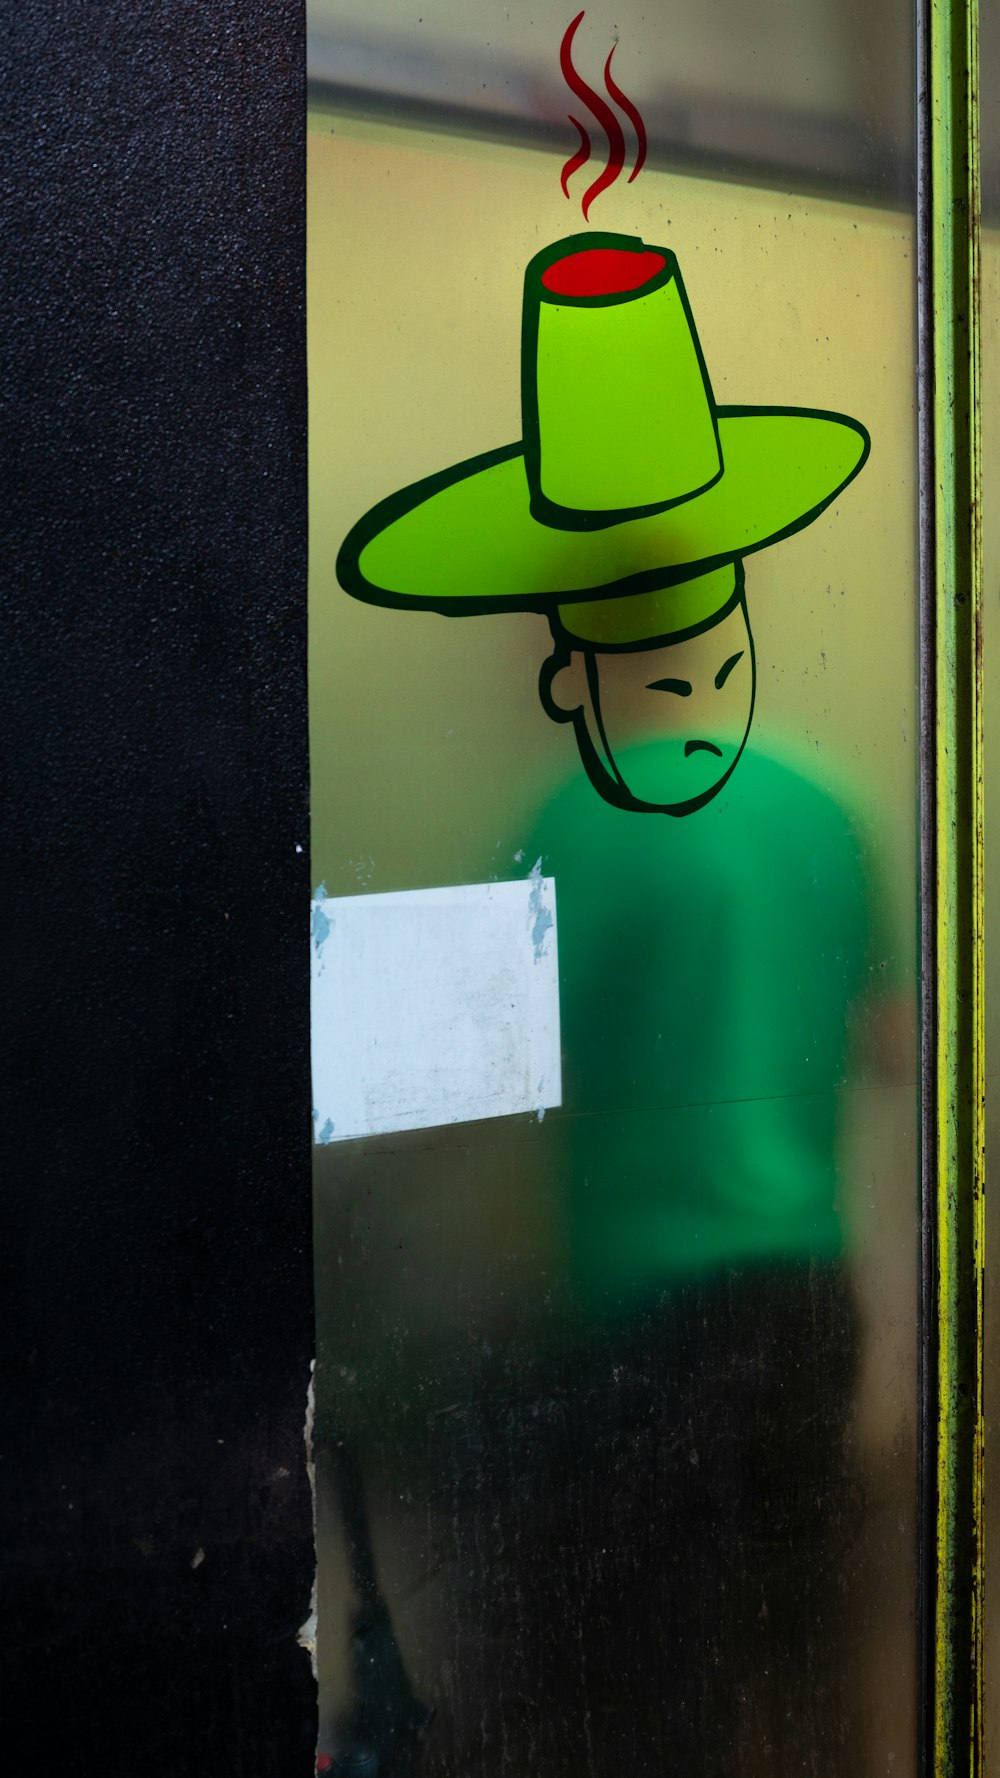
x=632 y=494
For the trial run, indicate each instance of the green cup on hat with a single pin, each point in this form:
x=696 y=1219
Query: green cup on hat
x=619 y=420
x=621 y=512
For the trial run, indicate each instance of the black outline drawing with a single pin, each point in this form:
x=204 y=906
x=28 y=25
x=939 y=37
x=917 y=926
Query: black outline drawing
x=604 y=773
x=536 y=508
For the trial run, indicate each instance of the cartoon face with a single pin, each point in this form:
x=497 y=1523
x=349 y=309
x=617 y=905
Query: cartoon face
x=694 y=698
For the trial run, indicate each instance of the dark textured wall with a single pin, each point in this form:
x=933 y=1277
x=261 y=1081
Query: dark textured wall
x=155 y=1241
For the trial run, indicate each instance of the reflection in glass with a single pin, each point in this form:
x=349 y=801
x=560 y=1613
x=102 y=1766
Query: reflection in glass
x=820 y=90
x=617 y=1475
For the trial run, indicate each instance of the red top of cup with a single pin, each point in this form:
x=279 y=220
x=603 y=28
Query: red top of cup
x=602 y=271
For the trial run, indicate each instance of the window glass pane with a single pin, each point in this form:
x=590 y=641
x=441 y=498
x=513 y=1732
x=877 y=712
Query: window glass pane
x=614 y=1058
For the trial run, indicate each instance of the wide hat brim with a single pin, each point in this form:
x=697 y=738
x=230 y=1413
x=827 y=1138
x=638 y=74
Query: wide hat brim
x=466 y=540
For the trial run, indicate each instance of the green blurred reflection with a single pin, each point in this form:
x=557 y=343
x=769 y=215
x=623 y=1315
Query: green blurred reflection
x=718 y=964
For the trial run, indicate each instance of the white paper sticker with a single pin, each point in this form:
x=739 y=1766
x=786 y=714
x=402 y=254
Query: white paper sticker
x=434 y=1006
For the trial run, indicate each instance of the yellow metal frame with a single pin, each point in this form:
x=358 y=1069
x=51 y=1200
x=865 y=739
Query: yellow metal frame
x=953 y=879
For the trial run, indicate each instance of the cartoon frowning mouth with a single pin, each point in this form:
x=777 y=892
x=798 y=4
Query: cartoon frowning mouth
x=701 y=747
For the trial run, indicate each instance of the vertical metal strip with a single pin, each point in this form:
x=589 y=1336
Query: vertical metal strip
x=952 y=882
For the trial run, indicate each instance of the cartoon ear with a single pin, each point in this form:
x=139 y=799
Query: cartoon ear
x=562 y=685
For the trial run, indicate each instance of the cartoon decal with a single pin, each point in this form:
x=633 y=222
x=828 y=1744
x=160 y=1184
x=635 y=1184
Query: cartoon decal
x=624 y=513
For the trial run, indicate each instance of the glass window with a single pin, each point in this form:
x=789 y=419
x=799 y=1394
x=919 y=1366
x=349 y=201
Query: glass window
x=613 y=702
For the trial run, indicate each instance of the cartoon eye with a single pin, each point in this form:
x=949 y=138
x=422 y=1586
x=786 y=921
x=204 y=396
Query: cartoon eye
x=680 y=687
x=723 y=674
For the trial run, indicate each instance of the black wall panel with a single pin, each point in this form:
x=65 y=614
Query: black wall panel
x=155 y=1086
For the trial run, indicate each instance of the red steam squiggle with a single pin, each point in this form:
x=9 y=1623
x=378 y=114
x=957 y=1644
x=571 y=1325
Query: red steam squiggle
x=633 y=114
x=601 y=111
x=575 y=160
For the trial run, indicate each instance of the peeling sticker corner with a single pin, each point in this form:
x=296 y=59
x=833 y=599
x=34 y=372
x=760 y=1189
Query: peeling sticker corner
x=306 y=1635
x=539 y=915
x=320 y=922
